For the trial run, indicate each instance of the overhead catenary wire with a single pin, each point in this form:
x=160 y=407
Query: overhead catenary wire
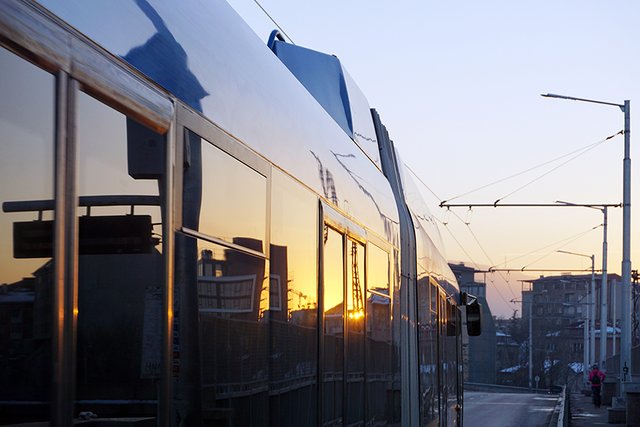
x=555 y=168
x=421 y=181
x=575 y=153
x=492 y=269
x=484 y=252
x=566 y=241
x=546 y=255
x=476 y=265
x=489 y=258
x=274 y=21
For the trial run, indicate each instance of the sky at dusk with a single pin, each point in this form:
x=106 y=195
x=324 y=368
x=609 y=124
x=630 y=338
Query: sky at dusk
x=458 y=86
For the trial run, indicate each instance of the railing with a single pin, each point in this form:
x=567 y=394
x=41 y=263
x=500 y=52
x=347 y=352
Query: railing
x=497 y=388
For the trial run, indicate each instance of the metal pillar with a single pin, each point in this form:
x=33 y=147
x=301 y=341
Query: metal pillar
x=625 y=339
x=531 y=342
x=613 y=317
x=592 y=321
x=603 y=299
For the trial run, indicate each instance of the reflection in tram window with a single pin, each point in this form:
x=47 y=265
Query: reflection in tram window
x=293 y=304
x=451 y=362
x=120 y=263
x=428 y=344
x=232 y=299
x=222 y=299
x=333 y=323
x=233 y=197
x=442 y=354
x=26 y=279
x=378 y=333
x=356 y=280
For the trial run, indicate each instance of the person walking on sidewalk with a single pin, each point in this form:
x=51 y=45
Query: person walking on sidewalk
x=596 y=378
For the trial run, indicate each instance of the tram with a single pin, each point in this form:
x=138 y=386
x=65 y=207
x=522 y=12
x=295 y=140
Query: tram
x=199 y=228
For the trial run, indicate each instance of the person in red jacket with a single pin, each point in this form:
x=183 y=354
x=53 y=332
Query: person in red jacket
x=596 y=378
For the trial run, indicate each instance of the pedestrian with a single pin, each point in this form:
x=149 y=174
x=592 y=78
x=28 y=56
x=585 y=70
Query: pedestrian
x=596 y=378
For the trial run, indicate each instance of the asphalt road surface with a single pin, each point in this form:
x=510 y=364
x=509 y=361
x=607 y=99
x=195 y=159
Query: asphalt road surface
x=508 y=409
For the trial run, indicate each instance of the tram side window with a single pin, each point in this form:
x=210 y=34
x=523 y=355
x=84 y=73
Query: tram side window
x=379 y=343
x=293 y=304
x=120 y=268
x=233 y=334
x=443 y=354
x=451 y=351
x=356 y=279
x=234 y=197
x=26 y=263
x=222 y=288
x=434 y=349
x=333 y=323
x=427 y=341
x=396 y=398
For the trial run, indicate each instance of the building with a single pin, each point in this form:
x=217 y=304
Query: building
x=480 y=350
x=557 y=307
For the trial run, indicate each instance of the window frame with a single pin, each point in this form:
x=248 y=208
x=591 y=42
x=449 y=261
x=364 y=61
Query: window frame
x=188 y=121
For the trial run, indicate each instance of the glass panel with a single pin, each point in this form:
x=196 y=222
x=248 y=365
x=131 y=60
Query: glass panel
x=232 y=302
x=293 y=304
x=120 y=277
x=333 y=322
x=396 y=398
x=450 y=364
x=220 y=344
x=442 y=355
x=234 y=198
x=379 y=345
x=427 y=336
x=26 y=267
x=355 y=333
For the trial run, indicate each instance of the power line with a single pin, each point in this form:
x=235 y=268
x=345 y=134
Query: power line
x=554 y=169
x=580 y=151
x=421 y=181
x=477 y=266
x=485 y=254
x=571 y=241
x=274 y=21
x=564 y=243
x=489 y=258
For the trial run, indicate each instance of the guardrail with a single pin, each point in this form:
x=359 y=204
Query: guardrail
x=562 y=411
x=502 y=388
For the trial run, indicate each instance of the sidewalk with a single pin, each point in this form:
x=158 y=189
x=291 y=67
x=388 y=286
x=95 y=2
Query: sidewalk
x=584 y=414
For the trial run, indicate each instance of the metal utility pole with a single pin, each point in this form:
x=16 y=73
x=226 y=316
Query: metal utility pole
x=625 y=339
x=603 y=300
x=589 y=345
x=613 y=317
x=530 y=342
x=530 y=304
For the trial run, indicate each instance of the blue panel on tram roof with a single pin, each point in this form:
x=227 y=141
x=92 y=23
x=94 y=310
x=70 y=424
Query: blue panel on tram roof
x=322 y=76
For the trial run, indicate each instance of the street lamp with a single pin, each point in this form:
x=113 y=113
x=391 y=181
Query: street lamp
x=530 y=301
x=625 y=339
x=604 y=313
x=589 y=321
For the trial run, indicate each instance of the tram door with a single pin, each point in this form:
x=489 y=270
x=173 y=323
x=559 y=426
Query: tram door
x=343 y=340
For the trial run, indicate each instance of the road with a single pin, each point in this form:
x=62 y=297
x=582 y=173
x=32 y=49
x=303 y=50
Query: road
x=507 y=409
